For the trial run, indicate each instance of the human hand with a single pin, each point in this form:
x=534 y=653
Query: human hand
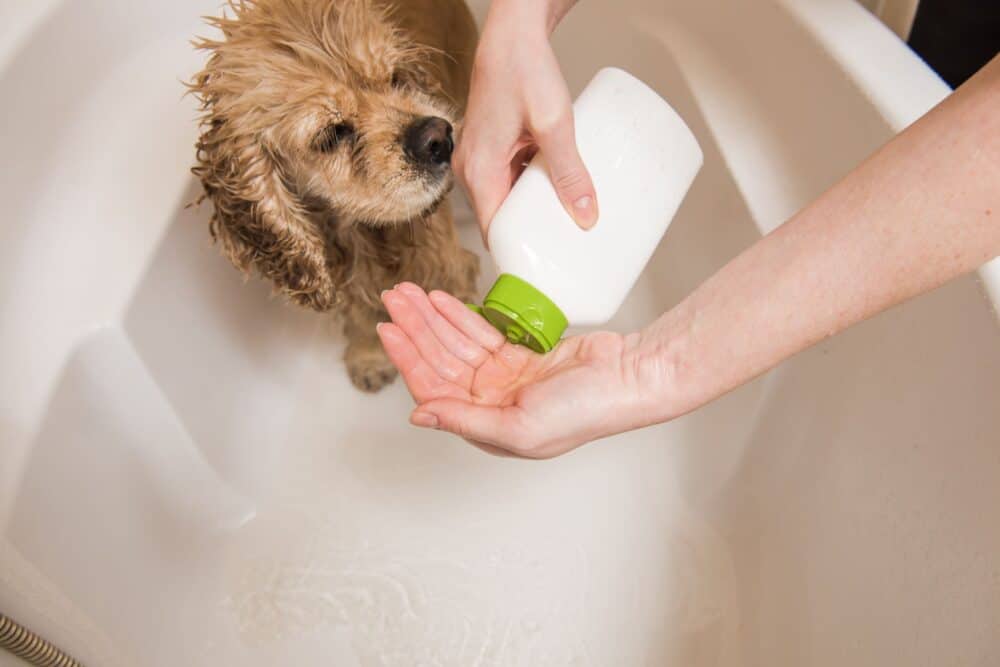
x=468 y=380
x=519 y=104
x=851 y=253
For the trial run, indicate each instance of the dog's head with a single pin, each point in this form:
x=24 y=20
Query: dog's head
x=317 y=104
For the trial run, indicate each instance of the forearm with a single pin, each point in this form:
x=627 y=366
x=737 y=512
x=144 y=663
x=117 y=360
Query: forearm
x=528 y=14
x=922 y=210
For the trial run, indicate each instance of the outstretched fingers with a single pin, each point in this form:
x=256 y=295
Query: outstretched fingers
x=511 y=357
x=425 y=384
x=406 y=314
x=455 y=341
x=472 y=325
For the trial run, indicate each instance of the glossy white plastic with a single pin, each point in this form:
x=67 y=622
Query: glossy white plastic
x=642 y=159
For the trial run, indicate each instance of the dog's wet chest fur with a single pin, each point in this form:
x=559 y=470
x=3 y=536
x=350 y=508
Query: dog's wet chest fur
x=380 y=254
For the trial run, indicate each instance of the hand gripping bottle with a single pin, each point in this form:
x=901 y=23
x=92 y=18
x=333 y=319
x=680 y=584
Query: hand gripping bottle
x=642 y=159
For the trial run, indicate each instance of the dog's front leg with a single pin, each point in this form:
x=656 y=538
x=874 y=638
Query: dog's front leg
x=367 y=364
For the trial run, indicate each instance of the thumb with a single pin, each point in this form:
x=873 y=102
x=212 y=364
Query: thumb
x=495 y=426
x=568 y=173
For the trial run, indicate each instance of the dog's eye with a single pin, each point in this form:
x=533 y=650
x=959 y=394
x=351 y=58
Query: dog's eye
x=332 y=136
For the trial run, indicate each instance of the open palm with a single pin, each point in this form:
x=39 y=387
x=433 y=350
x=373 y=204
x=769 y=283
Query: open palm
x=467 y=379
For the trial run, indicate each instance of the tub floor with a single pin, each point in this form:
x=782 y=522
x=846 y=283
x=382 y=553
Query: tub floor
x=276 y=514
x=335 y=528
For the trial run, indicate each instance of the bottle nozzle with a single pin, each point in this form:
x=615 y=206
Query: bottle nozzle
x=523 y=314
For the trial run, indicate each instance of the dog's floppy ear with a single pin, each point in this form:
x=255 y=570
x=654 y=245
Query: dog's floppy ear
x=258 y=219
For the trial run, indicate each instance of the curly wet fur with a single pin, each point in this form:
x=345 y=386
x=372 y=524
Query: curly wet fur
x=332 y=227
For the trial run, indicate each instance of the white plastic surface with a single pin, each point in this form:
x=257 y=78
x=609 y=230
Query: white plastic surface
x=642 y=159
x=842 y=510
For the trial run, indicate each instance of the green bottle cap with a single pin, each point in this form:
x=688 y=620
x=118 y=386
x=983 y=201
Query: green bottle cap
x=523 y=314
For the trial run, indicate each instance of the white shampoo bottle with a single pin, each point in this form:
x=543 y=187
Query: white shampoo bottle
x=642 y=159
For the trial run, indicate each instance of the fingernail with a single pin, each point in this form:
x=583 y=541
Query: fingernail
x=585 y=213
x=378 y=327
x=383 y=293
x=424 y=420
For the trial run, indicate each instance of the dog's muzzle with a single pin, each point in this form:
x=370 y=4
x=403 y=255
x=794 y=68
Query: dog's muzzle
x=428 y=142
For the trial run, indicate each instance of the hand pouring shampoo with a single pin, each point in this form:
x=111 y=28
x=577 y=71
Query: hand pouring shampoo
x=642 y=159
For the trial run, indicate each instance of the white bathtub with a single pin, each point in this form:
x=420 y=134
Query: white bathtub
x=187 y=477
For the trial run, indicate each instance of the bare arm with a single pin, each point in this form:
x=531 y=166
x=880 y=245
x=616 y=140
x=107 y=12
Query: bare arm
x=553 y=10
x=922 y=210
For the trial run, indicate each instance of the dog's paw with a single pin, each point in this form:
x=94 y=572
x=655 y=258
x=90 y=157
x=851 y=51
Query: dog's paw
x=370 y=371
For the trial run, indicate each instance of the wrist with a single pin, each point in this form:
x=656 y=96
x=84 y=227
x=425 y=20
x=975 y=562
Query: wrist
x=528 y=15
x=665 y=374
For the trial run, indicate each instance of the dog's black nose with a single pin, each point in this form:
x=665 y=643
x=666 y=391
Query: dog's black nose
x=428 y=141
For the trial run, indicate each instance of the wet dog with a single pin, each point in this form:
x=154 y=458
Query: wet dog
x=326 y=137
